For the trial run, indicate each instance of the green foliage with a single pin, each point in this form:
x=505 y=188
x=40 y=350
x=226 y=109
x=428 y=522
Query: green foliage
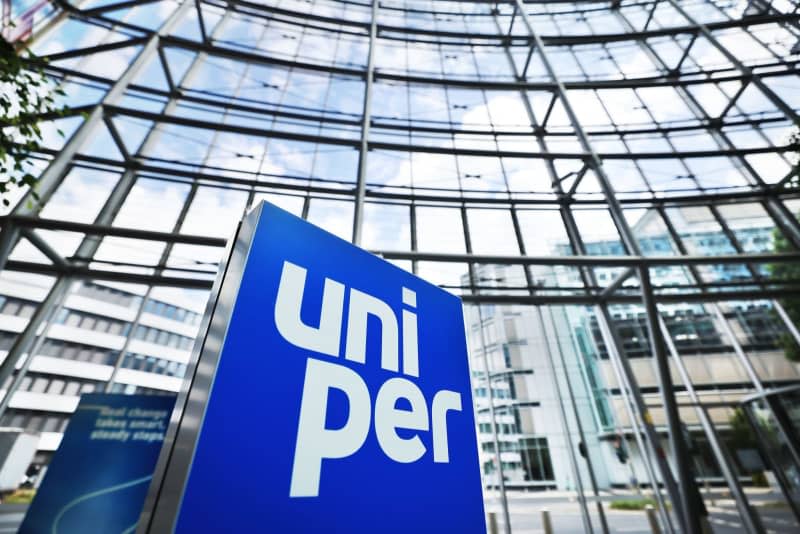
x=741 y=434
x=20 y=496
x=26 y=94
x=759 y=479
x=788 y=271
x=632 y=504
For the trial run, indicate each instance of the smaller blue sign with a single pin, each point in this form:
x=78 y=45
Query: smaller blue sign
x=98 y=479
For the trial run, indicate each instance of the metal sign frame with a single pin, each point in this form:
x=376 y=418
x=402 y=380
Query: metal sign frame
x=163 y=500
x=217 y=392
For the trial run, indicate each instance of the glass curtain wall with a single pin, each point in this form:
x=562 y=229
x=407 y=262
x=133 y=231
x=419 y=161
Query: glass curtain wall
x=610 y=186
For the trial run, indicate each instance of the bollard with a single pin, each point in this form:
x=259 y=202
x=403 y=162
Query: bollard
x=546 y=524
x=705 y=525
x=651 y=518
x=493 y=523
x=709 y=495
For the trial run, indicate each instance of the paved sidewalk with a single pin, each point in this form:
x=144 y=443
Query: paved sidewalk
x=566 y=516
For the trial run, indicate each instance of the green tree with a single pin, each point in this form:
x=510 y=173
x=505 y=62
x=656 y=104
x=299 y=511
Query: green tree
x=788 y=271
x=27 y=96
x=741 y=435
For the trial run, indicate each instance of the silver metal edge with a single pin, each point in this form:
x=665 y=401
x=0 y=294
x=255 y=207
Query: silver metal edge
x=165 y=494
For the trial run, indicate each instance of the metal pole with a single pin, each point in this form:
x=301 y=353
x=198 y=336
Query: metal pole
x=562 y=413
x=636 y=404
x=746 y=71
x=786 y=426
x=492 y=523
x=749 y=518
x=737 y=348
x=780 y=215
x=576 y=414
x=52 y=176
x=28 y=342
x=495 y=438
x=358 y=215
x=132 y=332
x=594 y=161
x=547 y=525
x=691 y=516
x=9 y=235
x=787 y=320
x=651 y=519
x=626 y=235
x=762 y=441
x=48 y=182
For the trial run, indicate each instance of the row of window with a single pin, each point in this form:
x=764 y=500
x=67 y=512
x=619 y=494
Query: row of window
x=34 y=421
x=162 y=337
x=56 y=384
x=171 y=312
x=78 y=352
x=7 y=340
x=496 y=393
x=505 y=446
x=17 y=307
x=535 y=462
x=696 y=333
x=502 y=428
x=98 y=323
x=122 y=298
x=130 y=389
x=107 y=294
x=69 y=386
x=90 y=321
x=151 y=364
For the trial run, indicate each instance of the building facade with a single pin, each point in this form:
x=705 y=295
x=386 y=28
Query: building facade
x=105 y=337
x=609 y=186
x=524 y=361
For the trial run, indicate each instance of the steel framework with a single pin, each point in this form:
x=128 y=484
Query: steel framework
x=481 y=115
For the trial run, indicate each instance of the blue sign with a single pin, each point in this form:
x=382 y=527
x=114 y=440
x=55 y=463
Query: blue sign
x=341 y=401
x=98 y=477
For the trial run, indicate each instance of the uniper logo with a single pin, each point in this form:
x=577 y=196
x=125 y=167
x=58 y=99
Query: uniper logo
x=315 y=442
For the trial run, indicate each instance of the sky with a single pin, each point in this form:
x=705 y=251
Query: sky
x=155 y=205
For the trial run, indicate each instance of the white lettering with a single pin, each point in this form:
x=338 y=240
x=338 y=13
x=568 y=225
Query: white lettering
x=314 y=441
x=325 y=338
x=361 y=306
x=410 y=356
x=443 y=402
x=388 y=419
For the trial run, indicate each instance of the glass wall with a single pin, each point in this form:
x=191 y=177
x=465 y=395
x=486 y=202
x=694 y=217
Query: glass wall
x=611 y=187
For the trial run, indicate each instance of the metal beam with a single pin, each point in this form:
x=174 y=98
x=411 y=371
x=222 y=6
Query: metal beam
x=45 y=248
x=575 y=412
x=51 y=178
x=691 y=509
x=750 y=518
x=23 y=221
x=773 y=97
x=24 y=348
x=577 y=260
x=363 y=147
x=562 y=415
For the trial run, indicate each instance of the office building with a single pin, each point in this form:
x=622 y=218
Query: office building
x=611 y=181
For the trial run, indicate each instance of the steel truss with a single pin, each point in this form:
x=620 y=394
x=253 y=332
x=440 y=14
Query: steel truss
x=514 y=24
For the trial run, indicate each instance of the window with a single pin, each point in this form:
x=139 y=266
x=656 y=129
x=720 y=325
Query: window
x=56 y=387
x=39 y=385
